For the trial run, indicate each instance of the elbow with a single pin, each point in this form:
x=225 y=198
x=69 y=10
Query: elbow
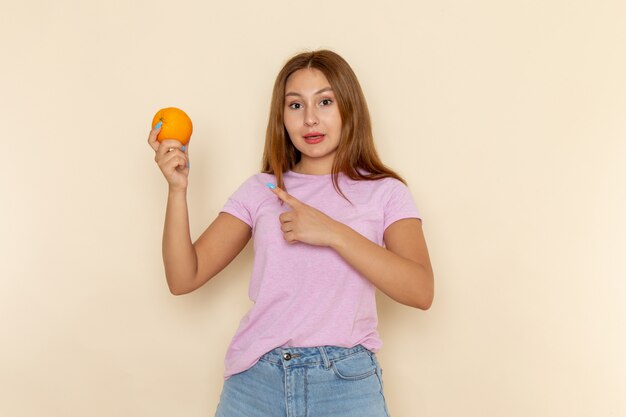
x=421 y=299
x=424 y=304
x=181 y=287
x=425 y=294
x=177 y=291
x=177 y=288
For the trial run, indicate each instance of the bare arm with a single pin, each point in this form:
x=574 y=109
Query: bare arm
x=189 y=265
x=402 y=269
x=220 y=243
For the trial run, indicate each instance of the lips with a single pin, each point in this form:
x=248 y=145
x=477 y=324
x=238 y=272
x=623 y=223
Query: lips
x=313 y=137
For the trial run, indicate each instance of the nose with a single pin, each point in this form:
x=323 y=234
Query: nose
x=310 y=117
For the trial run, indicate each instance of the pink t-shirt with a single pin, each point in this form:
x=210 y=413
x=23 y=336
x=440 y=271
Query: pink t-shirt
x=307 y=295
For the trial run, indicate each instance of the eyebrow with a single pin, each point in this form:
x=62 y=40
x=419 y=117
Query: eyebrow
x=323 y=90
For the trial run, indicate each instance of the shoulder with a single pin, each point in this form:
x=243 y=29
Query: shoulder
x=392 y=193
x=252 y=189
x=245 y=201
x=385 y=185
x=385 y=182
x=254 y=181
x=391 y=183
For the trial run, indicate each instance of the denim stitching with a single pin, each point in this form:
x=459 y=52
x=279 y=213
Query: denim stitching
x=353 y=378
x=324 y=356
x=306 y=393
x=380 y=381
x=318 y=362
x=287 y=391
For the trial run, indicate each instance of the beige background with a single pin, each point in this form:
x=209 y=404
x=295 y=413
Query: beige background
x=506 y=117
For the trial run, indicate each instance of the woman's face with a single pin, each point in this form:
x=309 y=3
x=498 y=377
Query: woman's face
x=312 y=118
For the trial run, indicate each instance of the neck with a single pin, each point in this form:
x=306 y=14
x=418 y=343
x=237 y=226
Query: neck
x=309 y=167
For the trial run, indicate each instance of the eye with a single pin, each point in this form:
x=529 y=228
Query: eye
x=295 y=106
x=326 y=102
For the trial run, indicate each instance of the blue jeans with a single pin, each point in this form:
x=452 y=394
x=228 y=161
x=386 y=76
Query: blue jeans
x=323 y=381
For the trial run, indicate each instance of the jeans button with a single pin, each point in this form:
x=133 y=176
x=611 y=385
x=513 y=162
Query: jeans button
x=287 y=356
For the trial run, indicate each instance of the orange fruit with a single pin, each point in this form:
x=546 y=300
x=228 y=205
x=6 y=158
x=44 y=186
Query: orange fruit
x=176 y=125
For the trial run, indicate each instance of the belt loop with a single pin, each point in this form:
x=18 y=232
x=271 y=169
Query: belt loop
x=324 y=356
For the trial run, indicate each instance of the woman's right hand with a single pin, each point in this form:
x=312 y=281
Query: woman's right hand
x=173 y=160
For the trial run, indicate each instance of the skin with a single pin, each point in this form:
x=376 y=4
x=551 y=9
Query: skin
x=189 y=265
x=310 y=106
x=401 y=269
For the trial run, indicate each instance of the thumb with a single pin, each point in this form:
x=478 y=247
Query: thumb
x=284 y=196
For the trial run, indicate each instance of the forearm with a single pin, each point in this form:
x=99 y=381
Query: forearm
x=179 y=255
x=403 y=272
x=404 y=280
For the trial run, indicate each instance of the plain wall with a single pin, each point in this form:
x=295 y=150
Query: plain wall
x=507 y=118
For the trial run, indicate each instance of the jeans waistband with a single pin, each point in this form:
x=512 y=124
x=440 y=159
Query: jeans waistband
x=295 y=356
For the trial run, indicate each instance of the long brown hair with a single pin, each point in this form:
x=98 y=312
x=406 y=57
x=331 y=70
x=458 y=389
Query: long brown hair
x=356 y=154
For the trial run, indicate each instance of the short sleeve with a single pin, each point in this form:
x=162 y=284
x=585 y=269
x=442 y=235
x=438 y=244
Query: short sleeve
x=399 y=204
x=241 y=203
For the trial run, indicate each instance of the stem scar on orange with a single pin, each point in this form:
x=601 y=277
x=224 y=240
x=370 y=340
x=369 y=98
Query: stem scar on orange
x=176 y=125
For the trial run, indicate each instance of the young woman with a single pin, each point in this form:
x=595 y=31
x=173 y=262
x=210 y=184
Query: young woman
x=330 y=224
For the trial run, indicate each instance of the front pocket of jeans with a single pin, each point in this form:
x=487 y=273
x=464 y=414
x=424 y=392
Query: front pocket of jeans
x=354 y=367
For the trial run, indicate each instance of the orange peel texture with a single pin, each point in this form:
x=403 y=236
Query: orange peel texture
x=176 y=125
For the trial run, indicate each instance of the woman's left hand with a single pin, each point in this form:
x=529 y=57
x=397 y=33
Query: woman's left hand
x=306 y=224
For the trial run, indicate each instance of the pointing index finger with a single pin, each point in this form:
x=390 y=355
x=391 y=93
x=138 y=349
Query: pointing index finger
x=284 y=196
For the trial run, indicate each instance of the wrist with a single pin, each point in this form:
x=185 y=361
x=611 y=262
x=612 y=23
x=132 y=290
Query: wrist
x=177 y=192
x=340 y=236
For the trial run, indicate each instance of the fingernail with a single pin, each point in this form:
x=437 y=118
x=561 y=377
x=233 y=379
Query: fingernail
x=270 y=185
x=158 y=125
x=183 y=148
x=188 y=164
